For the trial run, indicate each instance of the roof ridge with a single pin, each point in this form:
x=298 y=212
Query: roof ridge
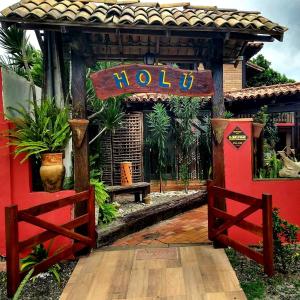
x=253 y=88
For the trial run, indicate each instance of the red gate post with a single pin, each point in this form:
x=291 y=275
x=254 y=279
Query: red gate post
x=12 y=249
x=268 y=245
x=91 y=214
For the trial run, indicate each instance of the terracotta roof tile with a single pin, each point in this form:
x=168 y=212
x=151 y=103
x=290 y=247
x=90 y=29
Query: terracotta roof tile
x=138 y=14
x=264 y=92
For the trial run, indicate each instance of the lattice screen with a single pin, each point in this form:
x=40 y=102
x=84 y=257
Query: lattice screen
x=127 y=146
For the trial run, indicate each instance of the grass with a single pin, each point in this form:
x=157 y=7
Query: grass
x=257 y=285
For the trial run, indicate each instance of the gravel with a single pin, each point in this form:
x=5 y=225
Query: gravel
x=43 y=286
x=128 y=205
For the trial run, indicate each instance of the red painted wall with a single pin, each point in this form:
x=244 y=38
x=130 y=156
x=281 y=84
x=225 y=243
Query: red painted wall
x=15 y=188
x=238 y=177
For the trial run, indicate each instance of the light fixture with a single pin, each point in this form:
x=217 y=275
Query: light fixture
x=149 y=58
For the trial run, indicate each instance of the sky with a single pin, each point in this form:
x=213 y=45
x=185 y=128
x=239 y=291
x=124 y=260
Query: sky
x=285 y=56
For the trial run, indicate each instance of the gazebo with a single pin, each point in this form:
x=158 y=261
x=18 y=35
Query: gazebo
x=84 y=32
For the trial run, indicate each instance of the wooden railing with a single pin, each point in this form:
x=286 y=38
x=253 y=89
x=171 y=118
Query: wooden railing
x=220 y=221
x=30 y=215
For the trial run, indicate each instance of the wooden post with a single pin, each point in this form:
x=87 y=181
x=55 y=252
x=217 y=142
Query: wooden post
x=81 y=153
x=297 y=133
x=12 y=249
x=268 y=246
x=91 y=213
x=210 y=197
x=216 y=65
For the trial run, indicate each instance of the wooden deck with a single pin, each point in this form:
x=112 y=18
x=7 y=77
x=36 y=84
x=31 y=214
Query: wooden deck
x=177 y=273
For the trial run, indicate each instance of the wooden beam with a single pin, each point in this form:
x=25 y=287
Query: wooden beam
x=81 y=154
x=216 y=65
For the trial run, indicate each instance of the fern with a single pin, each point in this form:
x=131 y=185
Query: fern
x=107 y=211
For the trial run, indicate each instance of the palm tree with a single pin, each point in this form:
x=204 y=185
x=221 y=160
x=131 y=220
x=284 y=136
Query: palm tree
x=159 y=125
x=21 y=57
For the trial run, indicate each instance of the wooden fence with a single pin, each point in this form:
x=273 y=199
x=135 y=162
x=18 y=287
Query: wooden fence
x=220 y=221
x=14 y=246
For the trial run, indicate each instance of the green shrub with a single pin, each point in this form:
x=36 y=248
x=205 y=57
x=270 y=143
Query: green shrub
x=286 y=255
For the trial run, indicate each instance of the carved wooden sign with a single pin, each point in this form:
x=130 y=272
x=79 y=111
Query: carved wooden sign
x=129 y=79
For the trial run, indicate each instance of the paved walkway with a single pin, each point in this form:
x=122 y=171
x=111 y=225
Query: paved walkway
x=187 y=228
x=169 y=273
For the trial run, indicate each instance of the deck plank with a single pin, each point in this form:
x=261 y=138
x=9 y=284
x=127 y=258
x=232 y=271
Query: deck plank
x=175 y=273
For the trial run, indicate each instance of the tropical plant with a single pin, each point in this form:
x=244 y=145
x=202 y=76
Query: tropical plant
x=185 y=110
x=107 y=211
x=37 y=255
x=262 y=115
x=159 y=125
x=268 y=76
x=228 y=114
x=285 y=243
x=272 y=165
x=22 y=285
x=271 y=133
x=45 y=129
x=21 y=57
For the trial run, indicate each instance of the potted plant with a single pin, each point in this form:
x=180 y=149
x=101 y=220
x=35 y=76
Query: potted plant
x=259 y=121
x=44 y=133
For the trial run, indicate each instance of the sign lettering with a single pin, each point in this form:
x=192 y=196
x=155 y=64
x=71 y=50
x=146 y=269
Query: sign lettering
x=127 y=79
x=237 y=137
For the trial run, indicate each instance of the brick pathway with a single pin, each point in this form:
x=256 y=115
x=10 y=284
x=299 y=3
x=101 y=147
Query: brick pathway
x=190 y=227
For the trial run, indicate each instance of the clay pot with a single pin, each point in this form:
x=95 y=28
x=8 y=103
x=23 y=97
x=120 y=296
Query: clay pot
x=52 y=172
x=219 y=126
x=126 y=173
x=257 y=129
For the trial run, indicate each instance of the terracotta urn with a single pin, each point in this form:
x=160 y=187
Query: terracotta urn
x=257 y=129
x=52 y=172
x=219 y=126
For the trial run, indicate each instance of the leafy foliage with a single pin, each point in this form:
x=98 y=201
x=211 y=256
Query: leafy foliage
x=45 y=129
x=185 y=110
x=271 y=133
x=107 y=211
x=285 y=243
x=262 y=115
x=272 y=166
x=19 y=53
x=268 y=76
x=159 y=125
x=228 y=114
x=38 y=254
x=22 y=285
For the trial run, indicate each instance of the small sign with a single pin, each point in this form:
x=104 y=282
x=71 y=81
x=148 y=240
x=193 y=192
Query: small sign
x=237 y=137
x=129 y=79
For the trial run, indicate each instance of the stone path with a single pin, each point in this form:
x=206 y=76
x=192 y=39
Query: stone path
x=187 y=228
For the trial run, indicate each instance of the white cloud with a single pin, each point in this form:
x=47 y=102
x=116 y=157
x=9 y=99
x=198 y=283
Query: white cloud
x=284 y=56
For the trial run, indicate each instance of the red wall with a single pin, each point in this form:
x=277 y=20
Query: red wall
x=15 y=188
x=238 y=178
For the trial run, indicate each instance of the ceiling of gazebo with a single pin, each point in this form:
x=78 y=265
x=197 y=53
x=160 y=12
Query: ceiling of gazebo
x=127 y=31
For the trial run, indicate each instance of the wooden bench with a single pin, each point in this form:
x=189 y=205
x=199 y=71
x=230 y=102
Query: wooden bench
x=135 y=188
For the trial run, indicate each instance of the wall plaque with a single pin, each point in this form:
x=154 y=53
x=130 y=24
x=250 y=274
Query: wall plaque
x=237 y=137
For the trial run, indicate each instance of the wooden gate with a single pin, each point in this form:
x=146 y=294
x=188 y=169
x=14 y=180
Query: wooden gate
x=220 y=221
x=30 y=215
